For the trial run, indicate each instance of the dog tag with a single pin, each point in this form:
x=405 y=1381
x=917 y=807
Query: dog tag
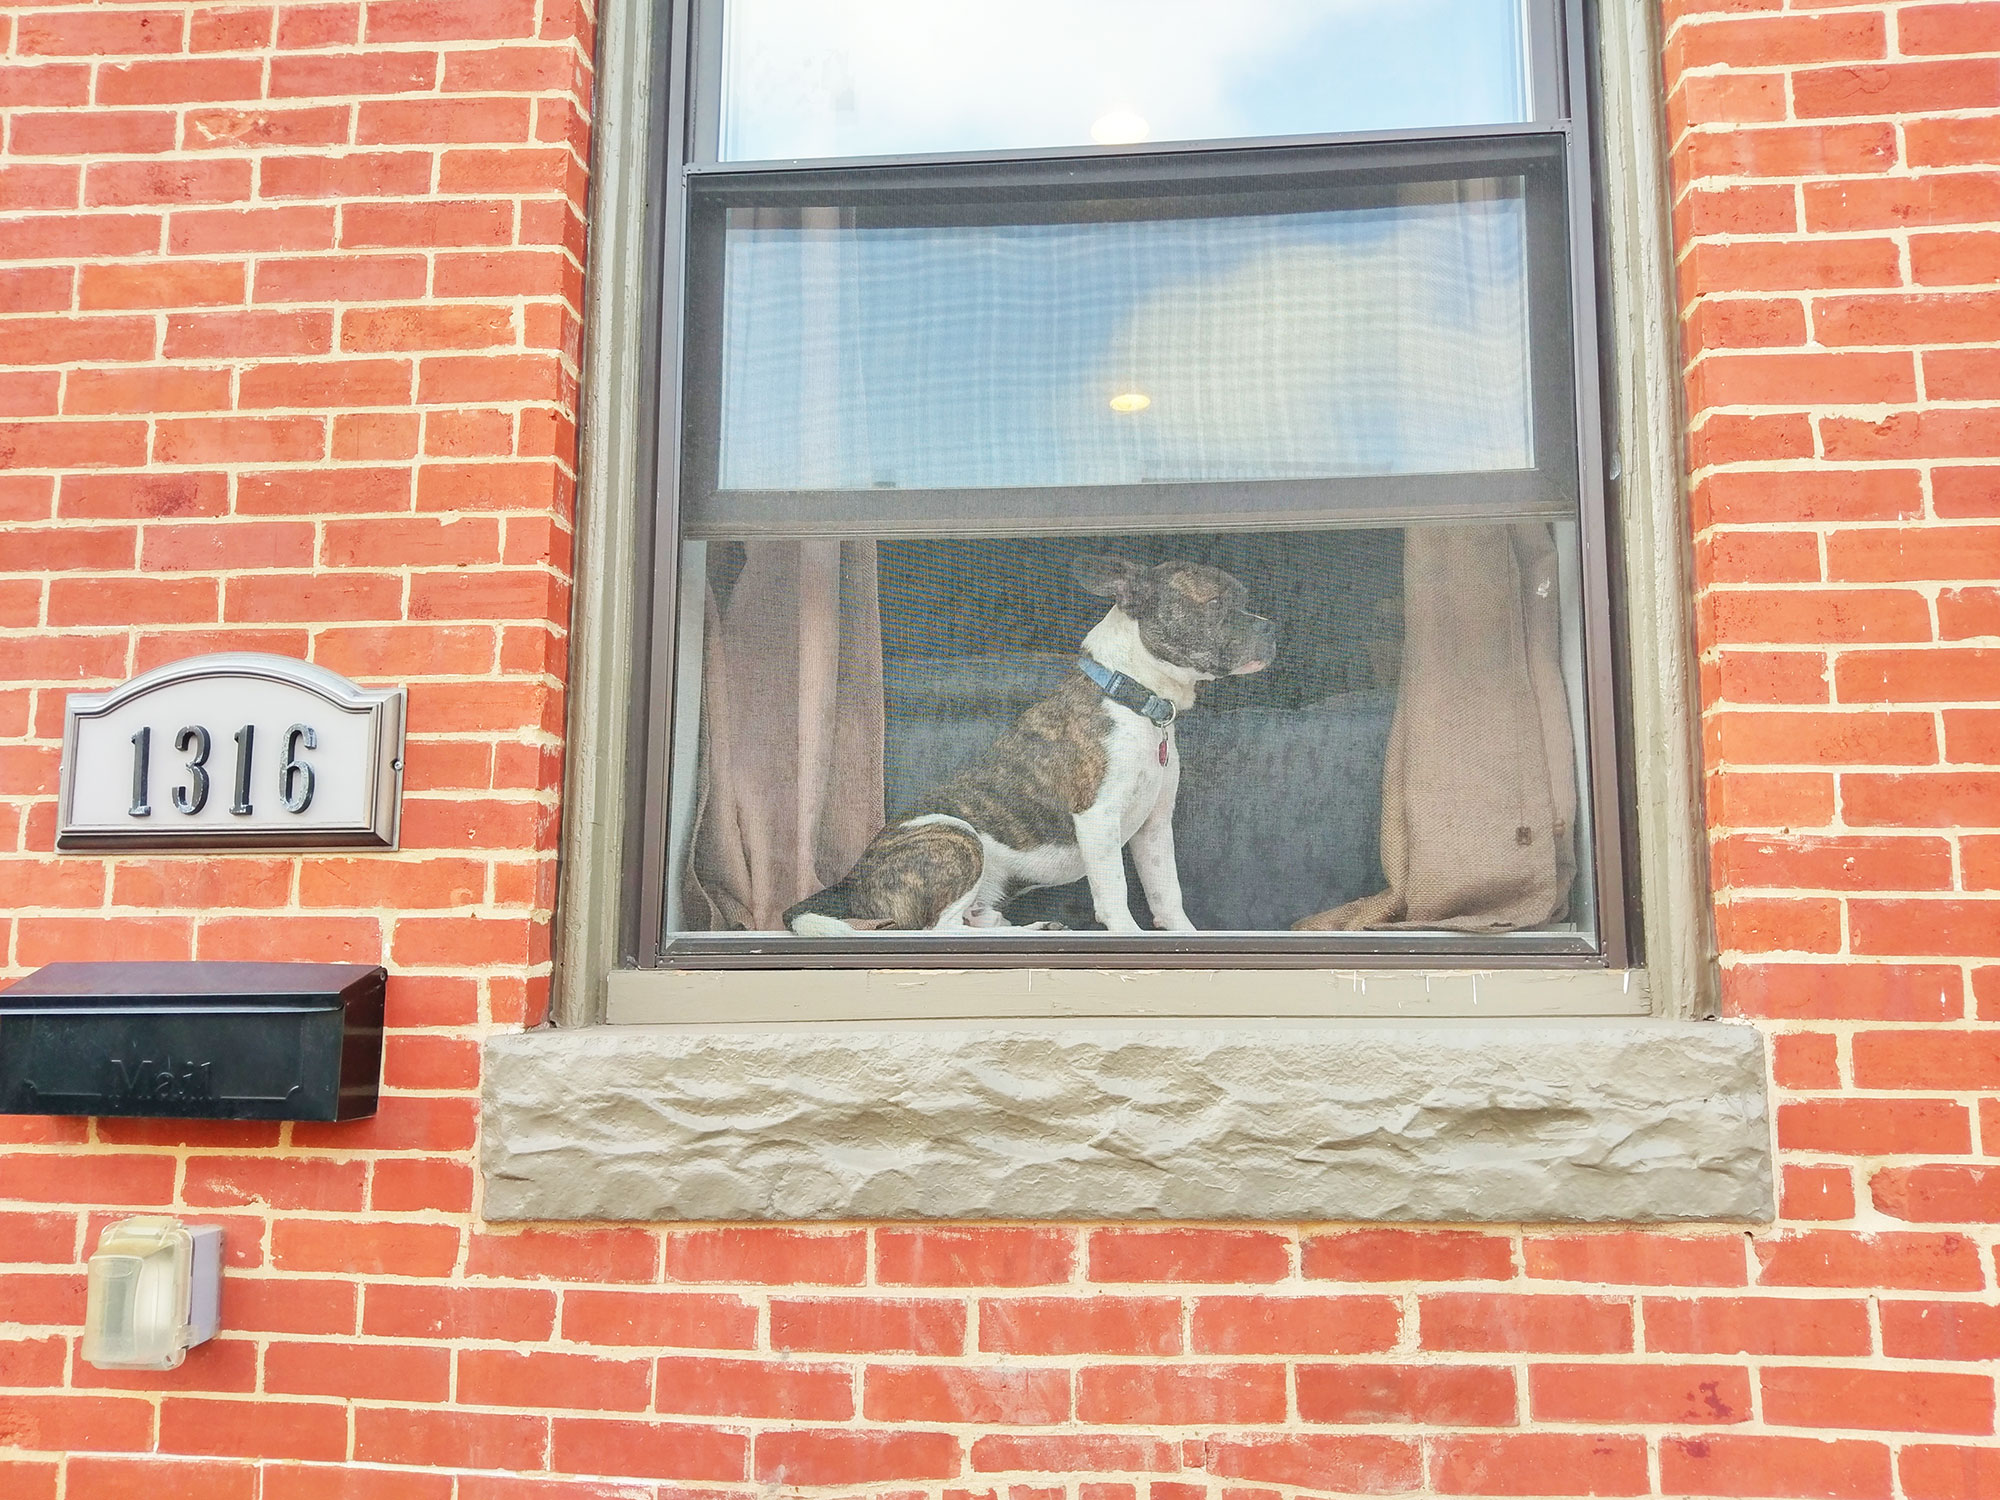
x=1163 y=752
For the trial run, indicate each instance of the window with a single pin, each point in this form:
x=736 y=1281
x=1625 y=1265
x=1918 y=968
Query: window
x=1135 y=491
x=1157 y=1075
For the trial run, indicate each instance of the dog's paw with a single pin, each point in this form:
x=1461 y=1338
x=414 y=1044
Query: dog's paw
x=1043 y=927
x=1177 y=922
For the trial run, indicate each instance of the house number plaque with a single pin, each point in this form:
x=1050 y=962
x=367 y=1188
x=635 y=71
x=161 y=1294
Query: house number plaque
x=232 y=751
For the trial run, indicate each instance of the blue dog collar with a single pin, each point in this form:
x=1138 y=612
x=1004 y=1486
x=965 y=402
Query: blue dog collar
x=1126 y=693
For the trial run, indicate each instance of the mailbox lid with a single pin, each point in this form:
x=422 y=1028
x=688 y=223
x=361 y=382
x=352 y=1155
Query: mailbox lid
x=231 y=986
x=218 y=1041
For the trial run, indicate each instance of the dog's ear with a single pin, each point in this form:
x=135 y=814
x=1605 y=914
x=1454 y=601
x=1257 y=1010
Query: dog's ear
x=1113 y=577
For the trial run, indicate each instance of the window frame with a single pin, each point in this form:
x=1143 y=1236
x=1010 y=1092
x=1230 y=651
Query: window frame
x=622 y=649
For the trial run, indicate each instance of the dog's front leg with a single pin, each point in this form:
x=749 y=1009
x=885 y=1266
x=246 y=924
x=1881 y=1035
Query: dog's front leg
x=1099 y=840
x=1159 y=869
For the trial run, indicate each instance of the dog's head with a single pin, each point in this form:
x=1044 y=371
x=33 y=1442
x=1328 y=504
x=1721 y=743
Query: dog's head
x=1187 y=614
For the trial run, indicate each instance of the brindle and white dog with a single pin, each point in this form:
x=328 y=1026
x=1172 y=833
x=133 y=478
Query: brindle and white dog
x=1086 y=771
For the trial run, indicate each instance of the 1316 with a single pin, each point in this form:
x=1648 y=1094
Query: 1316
x=295 y=778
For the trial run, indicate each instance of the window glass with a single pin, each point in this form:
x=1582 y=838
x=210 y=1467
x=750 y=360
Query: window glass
x=1385 y=338
x=845 y=78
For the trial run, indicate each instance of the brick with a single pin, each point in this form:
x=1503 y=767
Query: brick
x=1970 y=928
x=98 y=34
x=260 y=127
x=993 y=1257
x=505 y=1377
x=127 y=183
x=364 y=1372
x=495 y=121
x=767 y=1255
x=398 y=1186
x=1938 y=1194
x=1901 y=1259
x=1437 y=1395
x=1933 y=1472
x=325 y=383
x=33 y=1237
x=1811 y=496
x=1639 y=1259
x=1201 y=1255
x=1757 y=1325
x=1074 y=1453
x=1935 y=1062
x=1943 y=432
x=1479 y=1321
x=1818 y=738
x=291 y=1304
x=1964 y=1332
x=1680 y=1394
x=380 y=72
x=249 y=230
x=1953 y=258
x=297 y=1183
x=1812 y=616
x=507 y=1314
x=1781 y=800
x=1294 y=1325
x=253 y=1428
x=558 y=1255
x=1873 y=1127
x=688 y=1386
x=92 y=1478
x=238 y=440
x=1897 y=88
x=856 y=1325
x=208 y=547
x=1407 y=1255
x=364 y=1249
x=1540 y=1463
x=1745 y=1464
x=402 y=1122
x=809 y=1457
x=1848 y=863
x=1891 y=1400
x=1815 y=1192
x=1011 y=1396
x=1348 y=1464
x=423 y=225
x=1181 y=1394
x=64 y=445
x=1080 y=1325
x=447 y=1439
x=138 y=1181
x=1801 y=265
x=340 y=278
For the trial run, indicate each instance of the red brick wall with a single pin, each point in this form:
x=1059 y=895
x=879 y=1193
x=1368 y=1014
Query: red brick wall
x=289 y=315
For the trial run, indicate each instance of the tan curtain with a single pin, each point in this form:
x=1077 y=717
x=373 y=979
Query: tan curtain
x=791 y=735
x=1479 y=787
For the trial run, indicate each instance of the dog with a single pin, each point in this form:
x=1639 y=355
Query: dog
x=1086 y=771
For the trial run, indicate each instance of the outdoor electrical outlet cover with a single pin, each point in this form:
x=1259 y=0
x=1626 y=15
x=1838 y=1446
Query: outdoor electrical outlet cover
x=153 y=1293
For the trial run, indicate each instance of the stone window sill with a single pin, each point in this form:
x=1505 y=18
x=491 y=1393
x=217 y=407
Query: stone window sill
x=1613 y=1119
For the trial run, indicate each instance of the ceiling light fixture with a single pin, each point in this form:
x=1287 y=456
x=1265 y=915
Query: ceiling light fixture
x=1131 y=401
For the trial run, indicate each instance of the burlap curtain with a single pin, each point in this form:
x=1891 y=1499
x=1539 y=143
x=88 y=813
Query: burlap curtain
x=790 y=776
x=1479 y=791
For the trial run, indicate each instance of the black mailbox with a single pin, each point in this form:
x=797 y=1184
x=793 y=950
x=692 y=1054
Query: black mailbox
x=193 y=1041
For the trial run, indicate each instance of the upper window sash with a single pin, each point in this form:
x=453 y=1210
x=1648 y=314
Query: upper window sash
x=847 y=80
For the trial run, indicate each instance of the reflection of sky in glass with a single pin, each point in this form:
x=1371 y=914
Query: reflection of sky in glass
x=806 y=78
x=1359 y=341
